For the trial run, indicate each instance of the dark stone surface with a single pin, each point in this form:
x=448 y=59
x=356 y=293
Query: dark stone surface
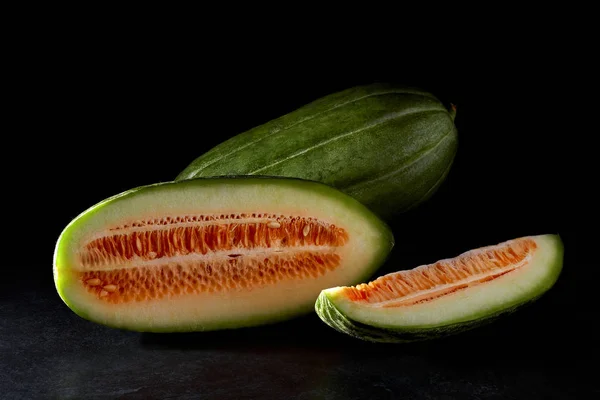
x=49 y=352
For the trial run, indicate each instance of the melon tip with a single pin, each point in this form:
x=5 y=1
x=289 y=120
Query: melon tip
x=452 y=111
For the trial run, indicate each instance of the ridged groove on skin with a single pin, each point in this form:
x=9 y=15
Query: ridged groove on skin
x=310 y=117
x=428 y=282
x=203 y=276
x=434 y=187
x=364 y=129
x=416 y=158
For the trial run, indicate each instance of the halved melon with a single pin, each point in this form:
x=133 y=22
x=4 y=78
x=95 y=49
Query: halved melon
x=215 y=253
x=446 y=297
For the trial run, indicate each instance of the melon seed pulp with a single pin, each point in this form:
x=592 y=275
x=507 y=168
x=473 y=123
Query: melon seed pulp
x=444 y=277
x=193 y=254
x=215 y=253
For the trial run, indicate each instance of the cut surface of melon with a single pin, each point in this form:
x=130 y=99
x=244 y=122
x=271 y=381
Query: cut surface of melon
x=214 y=253
x=476 y=285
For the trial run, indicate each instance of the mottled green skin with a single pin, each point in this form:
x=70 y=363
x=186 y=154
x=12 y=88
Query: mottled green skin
x=353 y=208
x=337 y=320
x=388 y=146
x=329 y=313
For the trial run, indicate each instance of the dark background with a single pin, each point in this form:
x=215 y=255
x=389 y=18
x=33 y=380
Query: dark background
x=99 y=121
x=95 y=118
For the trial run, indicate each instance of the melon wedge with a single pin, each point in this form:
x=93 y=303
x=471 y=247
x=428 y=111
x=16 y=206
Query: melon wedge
x=215 y=253
x=447 y=297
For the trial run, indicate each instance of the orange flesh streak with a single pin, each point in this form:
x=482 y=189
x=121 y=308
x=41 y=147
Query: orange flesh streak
x=169 y=257
x=444 y=277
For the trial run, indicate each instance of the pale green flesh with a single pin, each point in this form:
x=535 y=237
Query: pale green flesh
x=369 y=244
x=450 y=313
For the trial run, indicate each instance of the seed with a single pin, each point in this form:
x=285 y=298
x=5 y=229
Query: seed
x=110 y=288
x=273 y=224
x=306 y=230
x=103 y=293
x=93 y=282
x=151 y=255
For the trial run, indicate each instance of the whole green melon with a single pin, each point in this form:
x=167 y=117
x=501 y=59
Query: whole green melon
x=388 y=146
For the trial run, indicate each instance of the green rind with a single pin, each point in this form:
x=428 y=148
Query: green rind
x=62 y=281
x=388 y=146
x=329 y=313
x=333 y=317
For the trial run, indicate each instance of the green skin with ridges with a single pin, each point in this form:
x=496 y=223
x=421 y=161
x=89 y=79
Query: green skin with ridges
x=388 y=146
x=329 y=313
x=353 y=207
